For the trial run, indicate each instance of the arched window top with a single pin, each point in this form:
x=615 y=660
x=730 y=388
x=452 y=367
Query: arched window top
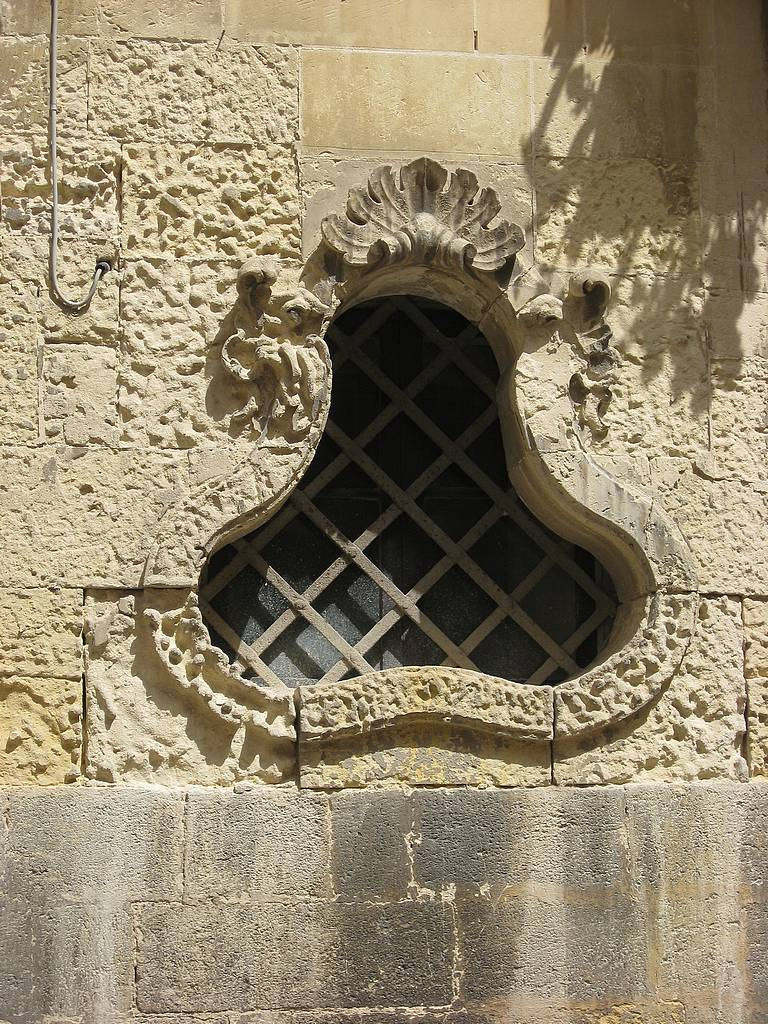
x=405 y=543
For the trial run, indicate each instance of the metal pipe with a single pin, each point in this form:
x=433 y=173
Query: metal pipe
x=102 y=266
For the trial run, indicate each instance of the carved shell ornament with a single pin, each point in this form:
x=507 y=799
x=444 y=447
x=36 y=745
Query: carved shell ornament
x=421 y=213
x=557 y=368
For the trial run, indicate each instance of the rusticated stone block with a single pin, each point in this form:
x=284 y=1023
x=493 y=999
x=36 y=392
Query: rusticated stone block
x=40 y=633
x=519 y=841
x=455 y=104
x=594 y=951
x=237 y=846
x=756 y=672
x=88 y=177
x=724 y=521
x=429 y=25
x=739 y=419
x=39 y=730
x=183 y=92
x=737 y=324
x=19 y=342
x=79 y=401
x=225 y=200
x=316 y=954
x=695 y=730
x=95 y=846
x=631 y=215
x=371 y=834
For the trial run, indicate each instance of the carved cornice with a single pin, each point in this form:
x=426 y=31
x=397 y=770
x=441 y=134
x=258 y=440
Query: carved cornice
x=421 y=213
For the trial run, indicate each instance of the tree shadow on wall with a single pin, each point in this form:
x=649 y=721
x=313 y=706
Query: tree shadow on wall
x=633 y=172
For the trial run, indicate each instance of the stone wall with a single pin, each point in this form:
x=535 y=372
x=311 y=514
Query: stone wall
x=193 y=136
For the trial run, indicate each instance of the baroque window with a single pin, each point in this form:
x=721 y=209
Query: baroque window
x=405 y=544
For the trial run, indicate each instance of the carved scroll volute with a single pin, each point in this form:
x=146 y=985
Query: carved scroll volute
x=423 y=214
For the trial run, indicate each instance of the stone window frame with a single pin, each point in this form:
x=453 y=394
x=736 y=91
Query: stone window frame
x=424 y=231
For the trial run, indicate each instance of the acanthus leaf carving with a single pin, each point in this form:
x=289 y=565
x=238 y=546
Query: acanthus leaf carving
x=421 y=213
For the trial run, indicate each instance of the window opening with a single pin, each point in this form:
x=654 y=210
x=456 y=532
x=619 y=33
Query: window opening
x=405 y=543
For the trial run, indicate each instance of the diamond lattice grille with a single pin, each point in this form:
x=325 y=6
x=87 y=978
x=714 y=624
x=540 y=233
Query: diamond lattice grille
x=405 y=544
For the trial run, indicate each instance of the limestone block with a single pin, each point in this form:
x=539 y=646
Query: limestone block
x=739 y=418
x=594 y=950
x=88 y=178
x=159 y=19
x=419 y=103
x=326 y=180
x=424 y=755
x=225 y=200
x=426 y=25
x=174 y=391
x=724 y=521
x=615 y=110
x=18 y=366
x=756 y=672
x=556 y=28
x=33 y=17
x=298 y=956
x=521 y=841
x=237 y=842
x=79 y=398
x=695 y=730
x=141 y=726
x=95 y=845
x=40 y=633
x=24 y=86
x=24 y=263
x=623 y=214
x=77 y=517
x=63 y=962
x=737 y=324
x=370 y=839
x=663 y=34
x=183 y=92
x=39 y=730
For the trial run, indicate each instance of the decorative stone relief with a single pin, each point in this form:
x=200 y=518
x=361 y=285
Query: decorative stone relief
x=424 y=231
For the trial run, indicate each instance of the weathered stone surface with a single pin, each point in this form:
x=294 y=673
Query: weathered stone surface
x=33 y=17
x=431 y=755
x=40 y=633
x=88 y=177
x=600 y=110
x=174 y=392
x=725 y=522
x=622 y=214
x=79 y=399
x=142 y=727
x=455 y=104
x=311 y=955
x=737 y=324
x=200 y=19
x=429 y=25
x=182 y=93
x=326 y=180
x=520 y=842
x=24 y=86
x=371 y=835
x=695 y=730
x=95 y=846
x=225 y=200
x=75 y=516
x=256 y=846
x=739 y=418
x=39 y=730
x=756 y=672
x=594 y=951
x=61 y=962
x=665 y=34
